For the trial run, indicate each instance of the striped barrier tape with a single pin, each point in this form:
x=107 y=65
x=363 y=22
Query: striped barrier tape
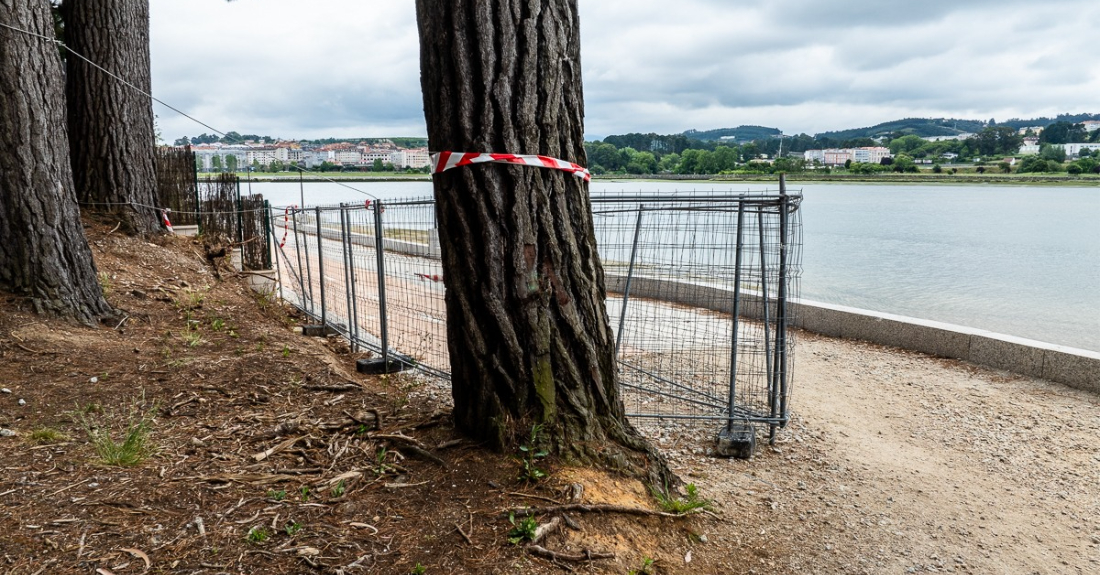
x=167 y=223
x=286 y=224
x=443 y=161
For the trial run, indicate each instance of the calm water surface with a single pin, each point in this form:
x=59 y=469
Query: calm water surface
x=1023 y=261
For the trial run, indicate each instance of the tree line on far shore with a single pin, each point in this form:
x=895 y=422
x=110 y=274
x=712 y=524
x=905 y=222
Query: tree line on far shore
x=641 y=154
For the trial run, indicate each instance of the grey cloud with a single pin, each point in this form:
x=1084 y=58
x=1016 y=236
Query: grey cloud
x=278 y=67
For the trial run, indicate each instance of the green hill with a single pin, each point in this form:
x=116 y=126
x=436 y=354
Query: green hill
x=739 y=134
x=923 y=127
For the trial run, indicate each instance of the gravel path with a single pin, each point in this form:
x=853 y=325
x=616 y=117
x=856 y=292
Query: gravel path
x=900 y=463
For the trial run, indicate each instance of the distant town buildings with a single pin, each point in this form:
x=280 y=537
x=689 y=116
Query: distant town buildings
x=217 y=157
x=839 y=156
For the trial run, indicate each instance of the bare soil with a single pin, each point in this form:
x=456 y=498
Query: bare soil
x=270 y=454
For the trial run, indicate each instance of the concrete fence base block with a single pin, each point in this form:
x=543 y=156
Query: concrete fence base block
x=185 y=230
x=235 y=259
x=318 y=330
x=378 y=366
x=737 y=441
x=262 y=281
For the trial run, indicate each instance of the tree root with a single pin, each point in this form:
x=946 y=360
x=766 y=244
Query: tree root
x=582 y=508
x=545 y=553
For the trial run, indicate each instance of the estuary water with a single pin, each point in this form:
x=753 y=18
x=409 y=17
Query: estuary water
x=1023 y=261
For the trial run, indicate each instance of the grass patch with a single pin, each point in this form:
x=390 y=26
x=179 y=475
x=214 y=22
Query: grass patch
x=681 y=505
x=105 y=284
x=134 y=427
x=407 y=235
x=44 y=435
x=189 y=299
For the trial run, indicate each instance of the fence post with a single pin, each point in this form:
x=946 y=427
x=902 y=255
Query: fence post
x=270 y=223
x=198 y=201
x=781 y=305
x=240 y=219
x=629 y=277
x=345 y=243
x=267 y=234
x=354 y=299
x=764 y=303
x=303 y=271
x=379 y=248
x=736 y=312
x=321 y=268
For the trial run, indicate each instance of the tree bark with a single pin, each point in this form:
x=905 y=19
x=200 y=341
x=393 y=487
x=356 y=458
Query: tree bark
x=43 y=252
x=111 y=122
x=529 y=339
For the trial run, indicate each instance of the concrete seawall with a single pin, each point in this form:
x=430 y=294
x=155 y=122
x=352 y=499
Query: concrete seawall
x=1076 y=368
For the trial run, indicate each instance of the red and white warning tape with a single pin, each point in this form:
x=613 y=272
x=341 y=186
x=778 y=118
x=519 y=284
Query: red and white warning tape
x=167 y=223
x=443 y=161
x=286 y=224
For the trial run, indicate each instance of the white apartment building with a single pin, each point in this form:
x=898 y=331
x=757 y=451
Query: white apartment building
x=870 y=155
x=1091 y=125
x=205 y=153
x=372 y=154
x=347 y=157
x=1074 y=150
x=415 y=158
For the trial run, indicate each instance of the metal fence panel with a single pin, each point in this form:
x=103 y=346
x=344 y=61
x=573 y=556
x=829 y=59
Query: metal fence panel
x=697 y=293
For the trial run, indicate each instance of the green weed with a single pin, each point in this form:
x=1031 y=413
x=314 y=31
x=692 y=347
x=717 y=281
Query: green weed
x=339 y=489
x=292 y=528
x=681 y=505
x=257 y=535
x=189 y=299
x=644 y=569
x=419 y=569
x=530 y=454
x=135 y=426
x=276 y=495
x=523 y=530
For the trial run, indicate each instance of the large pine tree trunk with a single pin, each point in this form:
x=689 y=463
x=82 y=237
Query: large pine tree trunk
x=43 y=252
x=111 y=123
x=526 y=319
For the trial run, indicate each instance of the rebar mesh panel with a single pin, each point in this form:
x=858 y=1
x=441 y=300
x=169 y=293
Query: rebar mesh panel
x=677 y=269
x=674 y=261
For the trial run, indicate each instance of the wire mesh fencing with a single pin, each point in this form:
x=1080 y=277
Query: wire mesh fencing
x=698 y=286
x=177 y=188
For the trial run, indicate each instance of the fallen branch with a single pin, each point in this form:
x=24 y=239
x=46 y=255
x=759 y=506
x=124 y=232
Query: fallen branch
x=545 y=529
x=425 y=454
x=530 y=496
x=581 y=508
x=403 y=485
x=463 y=534
x=334 y=387
x=284 y=445
x=559 y=556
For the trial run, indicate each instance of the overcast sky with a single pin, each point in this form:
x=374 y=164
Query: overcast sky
x=350 y=68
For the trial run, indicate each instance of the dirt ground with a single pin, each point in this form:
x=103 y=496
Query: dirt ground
x=269 y=454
